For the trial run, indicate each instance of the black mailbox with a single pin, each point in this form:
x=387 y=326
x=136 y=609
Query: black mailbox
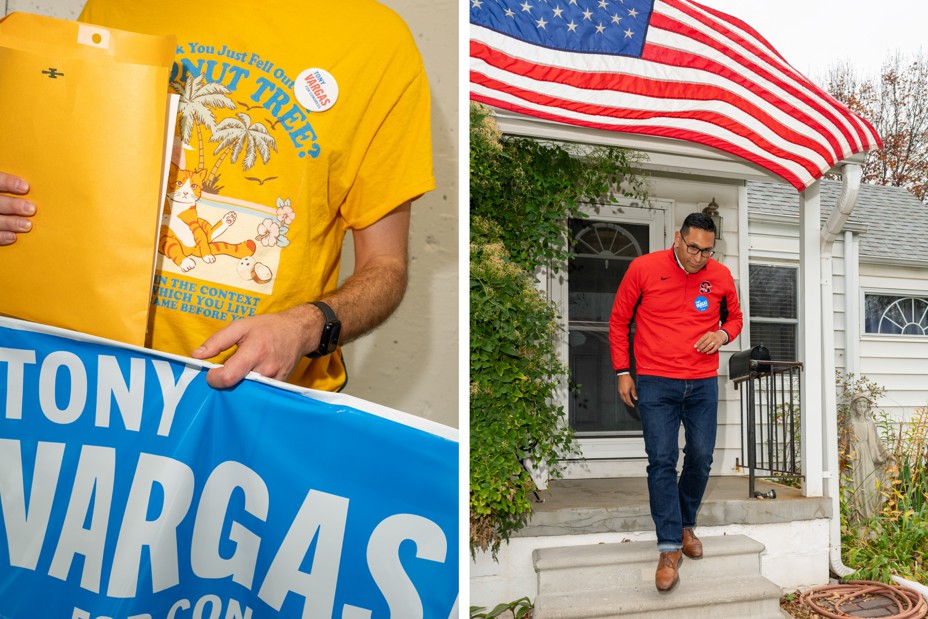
x=741 y=363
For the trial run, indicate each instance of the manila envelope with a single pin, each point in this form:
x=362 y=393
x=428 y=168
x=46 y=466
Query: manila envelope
x=83 y=118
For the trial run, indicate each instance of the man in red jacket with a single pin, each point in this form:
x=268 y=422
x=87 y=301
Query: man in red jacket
x=685 y=308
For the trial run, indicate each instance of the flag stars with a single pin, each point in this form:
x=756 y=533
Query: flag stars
x=603 y=4
x=476 y=4
x=557 y=11
x=600 y=28
x=526 y=7
x=571 y=27
x=629 y=34
x=573 y=2
x=615 y=18
x=541 y=23
x=510 y=13
x=632 y=13
x=588 y=15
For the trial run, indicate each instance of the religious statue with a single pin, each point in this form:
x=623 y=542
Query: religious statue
x=868 y=457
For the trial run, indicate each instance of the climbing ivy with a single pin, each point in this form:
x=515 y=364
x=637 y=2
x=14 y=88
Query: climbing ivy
x=530 y=187
x=522 y=192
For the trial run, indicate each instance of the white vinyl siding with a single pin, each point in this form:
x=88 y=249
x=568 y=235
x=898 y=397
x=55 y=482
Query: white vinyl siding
x=897 y=362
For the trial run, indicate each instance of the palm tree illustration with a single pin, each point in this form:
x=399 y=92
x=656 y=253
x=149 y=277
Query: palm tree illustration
x=237 y=135
x=198 y=99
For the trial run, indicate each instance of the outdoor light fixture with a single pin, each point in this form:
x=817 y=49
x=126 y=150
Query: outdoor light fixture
x=712 y=210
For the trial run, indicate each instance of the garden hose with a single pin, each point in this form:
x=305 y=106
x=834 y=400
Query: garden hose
x=910 y=604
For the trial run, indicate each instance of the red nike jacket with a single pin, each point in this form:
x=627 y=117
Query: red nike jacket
x=671 y=310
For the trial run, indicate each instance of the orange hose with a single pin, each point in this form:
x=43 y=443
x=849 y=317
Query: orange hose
x=909 y=604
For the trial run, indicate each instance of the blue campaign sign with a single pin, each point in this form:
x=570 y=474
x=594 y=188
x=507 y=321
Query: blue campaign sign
x=132 y=490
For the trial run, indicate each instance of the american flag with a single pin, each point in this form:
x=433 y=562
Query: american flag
x=668 y=68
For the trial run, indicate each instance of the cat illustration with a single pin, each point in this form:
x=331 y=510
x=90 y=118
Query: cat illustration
x=184 y=234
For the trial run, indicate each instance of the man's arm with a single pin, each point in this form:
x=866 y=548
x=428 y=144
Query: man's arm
x=375 y=289
x=731 y=321
x=272 y=344
x=734 y=321
x=14 y=211
x=623 y=310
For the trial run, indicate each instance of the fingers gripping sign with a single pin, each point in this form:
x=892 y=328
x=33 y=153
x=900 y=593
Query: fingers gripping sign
x=270 y=345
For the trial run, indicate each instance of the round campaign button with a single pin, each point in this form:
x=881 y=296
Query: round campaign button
x=701 y=303
x=316 y=89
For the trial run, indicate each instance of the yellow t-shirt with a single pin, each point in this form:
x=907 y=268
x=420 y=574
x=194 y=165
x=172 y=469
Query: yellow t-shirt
x=298 y=120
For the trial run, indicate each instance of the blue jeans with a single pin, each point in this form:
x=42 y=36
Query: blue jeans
x=664 y=403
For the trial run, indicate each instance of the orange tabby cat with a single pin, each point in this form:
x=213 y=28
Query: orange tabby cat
x=184 y=234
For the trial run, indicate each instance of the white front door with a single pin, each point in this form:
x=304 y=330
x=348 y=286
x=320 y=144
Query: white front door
x=603 y=245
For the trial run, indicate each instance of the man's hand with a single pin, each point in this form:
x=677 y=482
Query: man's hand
x=14 y=211
x=270 y=345
x=711 y=342
x=627 y=390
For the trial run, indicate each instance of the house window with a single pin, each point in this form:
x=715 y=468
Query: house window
x=774 y=316
x=895 y=314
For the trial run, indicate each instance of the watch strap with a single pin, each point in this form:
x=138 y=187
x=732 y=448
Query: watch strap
x=327 y=311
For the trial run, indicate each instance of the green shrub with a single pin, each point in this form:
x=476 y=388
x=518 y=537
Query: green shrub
x=515 y=370
x=522 y=192
x=520 y=609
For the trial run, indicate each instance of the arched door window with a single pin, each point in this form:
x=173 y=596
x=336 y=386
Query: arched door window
x=607 y=240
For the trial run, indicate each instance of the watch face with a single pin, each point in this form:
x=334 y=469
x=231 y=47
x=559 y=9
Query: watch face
x=331 y=330
x=330 y=336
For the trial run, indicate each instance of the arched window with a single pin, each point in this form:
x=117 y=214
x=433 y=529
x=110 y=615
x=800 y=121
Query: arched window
x=896 y=315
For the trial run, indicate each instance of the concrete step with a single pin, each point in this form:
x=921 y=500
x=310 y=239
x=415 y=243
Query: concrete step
x=752 y=597
x=617 y=580
x=606 y=566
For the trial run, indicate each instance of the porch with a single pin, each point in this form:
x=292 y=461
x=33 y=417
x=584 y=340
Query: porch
x=793 y=529
x=585 y=506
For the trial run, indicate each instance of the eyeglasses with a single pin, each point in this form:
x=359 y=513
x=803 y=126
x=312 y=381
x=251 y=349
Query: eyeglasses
x=696 y=249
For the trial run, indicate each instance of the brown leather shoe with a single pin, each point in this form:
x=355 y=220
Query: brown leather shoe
x=666 y=576
x=692 y=547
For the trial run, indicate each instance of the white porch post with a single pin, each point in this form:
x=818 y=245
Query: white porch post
x=810 y=338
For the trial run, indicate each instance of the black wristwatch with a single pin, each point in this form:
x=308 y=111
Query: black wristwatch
x=330 y=332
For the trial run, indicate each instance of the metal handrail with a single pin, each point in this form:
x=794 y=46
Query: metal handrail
x=770 y=413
